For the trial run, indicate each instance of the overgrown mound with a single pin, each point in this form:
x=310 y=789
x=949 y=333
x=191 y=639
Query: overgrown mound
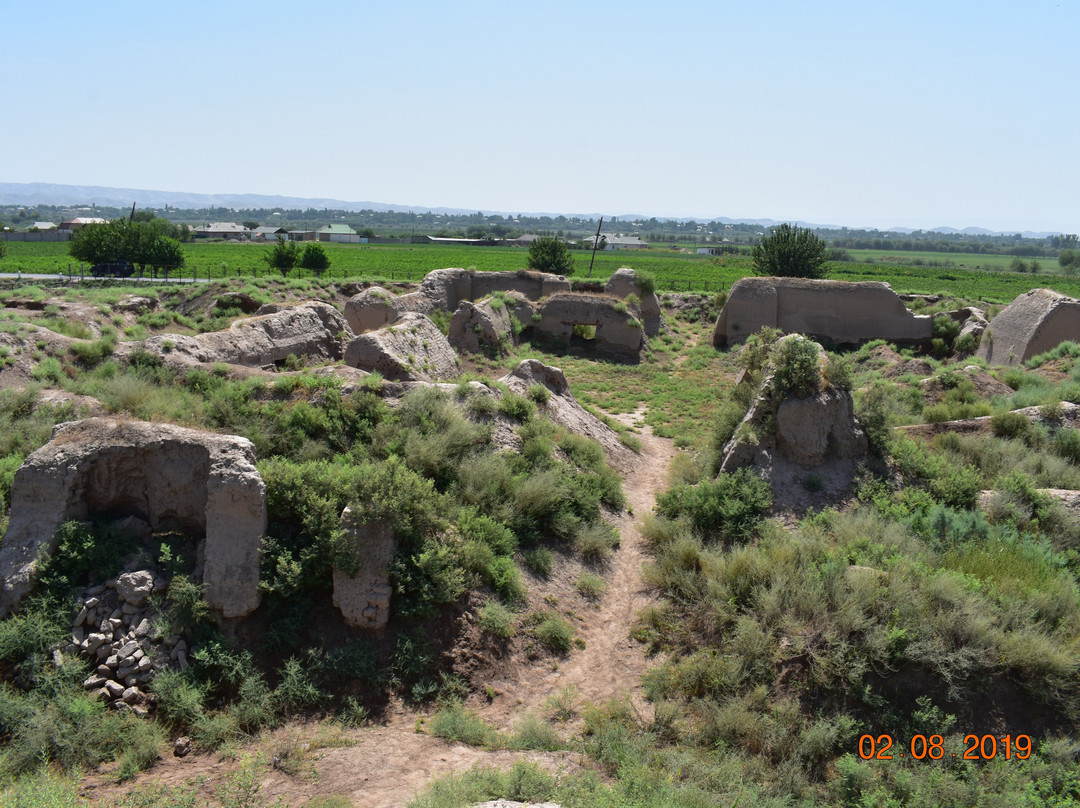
x=798 y=419
x=795 y=653
x=464 y=515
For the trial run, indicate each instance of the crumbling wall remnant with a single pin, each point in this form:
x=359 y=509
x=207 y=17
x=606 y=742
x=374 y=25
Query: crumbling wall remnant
x=166 y=475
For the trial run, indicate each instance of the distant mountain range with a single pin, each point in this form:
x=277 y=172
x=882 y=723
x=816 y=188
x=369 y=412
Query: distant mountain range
x=43 y=193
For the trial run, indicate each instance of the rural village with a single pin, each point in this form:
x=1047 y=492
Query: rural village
x=520 y=533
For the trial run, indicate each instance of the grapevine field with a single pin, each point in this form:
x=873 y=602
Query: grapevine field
x=674 y=270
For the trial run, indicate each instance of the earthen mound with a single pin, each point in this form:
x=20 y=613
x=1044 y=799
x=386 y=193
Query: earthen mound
x=412 y=348
x=805 y=443
x=564 y=409
x=315 y=331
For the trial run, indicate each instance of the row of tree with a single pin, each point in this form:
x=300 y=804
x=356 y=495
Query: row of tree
x=1027 y=247
x=286 y=254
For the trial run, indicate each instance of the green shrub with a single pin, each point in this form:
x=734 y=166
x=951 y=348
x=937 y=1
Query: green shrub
x=728 y=508
x=874 y=410
x=532 y=732
x=353 y=713
x=179 y=700
x=496 y=619
x=967 y=343
x=505 y=579
x=1009 y=424
x=539 y=394
x=59 y=722
x=946 y=329
x=354 y=661
x=727 y=420
x=91 y=354
x=517 y=407
x=82 y=556
x=296 y=691
x=591 y=587
x=48 y=370
x=839 y=371
x=486 y=483
x=937 y=414
x=480 y=405
x=1067 y=444
x=539 y=560
x=798 y=368
x=486 y=530
x=555 y=633
x=539 y=499
x=36 y=629
x=454 y=723
x=646 y=283
x=596 y=541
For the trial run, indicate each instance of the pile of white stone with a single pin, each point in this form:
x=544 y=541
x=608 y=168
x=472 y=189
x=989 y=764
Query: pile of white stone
x=114 y=625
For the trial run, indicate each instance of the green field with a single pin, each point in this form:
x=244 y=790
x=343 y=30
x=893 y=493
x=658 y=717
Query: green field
x=389 y=261
x=674 y=270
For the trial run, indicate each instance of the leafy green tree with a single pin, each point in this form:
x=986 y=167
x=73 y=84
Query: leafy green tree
x=1069 y=259
x=166 y=253
x=549 y=254
x=284 y=256
x=95 y=243
x=315 y=258
x=790 y=252
x=149 y=242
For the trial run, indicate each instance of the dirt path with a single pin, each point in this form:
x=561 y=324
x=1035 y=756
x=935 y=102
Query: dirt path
x=382 y=766
x=611 y=664
x=385 y=766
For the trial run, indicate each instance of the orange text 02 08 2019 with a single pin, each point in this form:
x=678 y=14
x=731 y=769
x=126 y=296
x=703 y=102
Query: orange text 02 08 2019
x=933 y=747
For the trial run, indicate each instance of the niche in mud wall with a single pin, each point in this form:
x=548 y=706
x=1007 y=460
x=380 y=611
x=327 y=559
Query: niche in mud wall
x=583 y=332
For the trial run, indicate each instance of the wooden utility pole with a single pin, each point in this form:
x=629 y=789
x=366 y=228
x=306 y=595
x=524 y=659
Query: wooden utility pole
x=595 y=243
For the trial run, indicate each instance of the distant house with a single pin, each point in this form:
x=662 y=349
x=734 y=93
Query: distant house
x=226 y=230
x=339 y=233
x=79 y=222
x=268 y=233
x=303 y=235
x=617 y=242
x=521 y=241
x=625 y=243
x=42 y=226
x=458 y=242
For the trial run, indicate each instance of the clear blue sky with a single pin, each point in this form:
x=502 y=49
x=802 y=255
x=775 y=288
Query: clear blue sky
x=903 y=114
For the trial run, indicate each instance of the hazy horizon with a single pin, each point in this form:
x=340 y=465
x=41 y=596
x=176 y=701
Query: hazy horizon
x=153 y=198
x=921 y=116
